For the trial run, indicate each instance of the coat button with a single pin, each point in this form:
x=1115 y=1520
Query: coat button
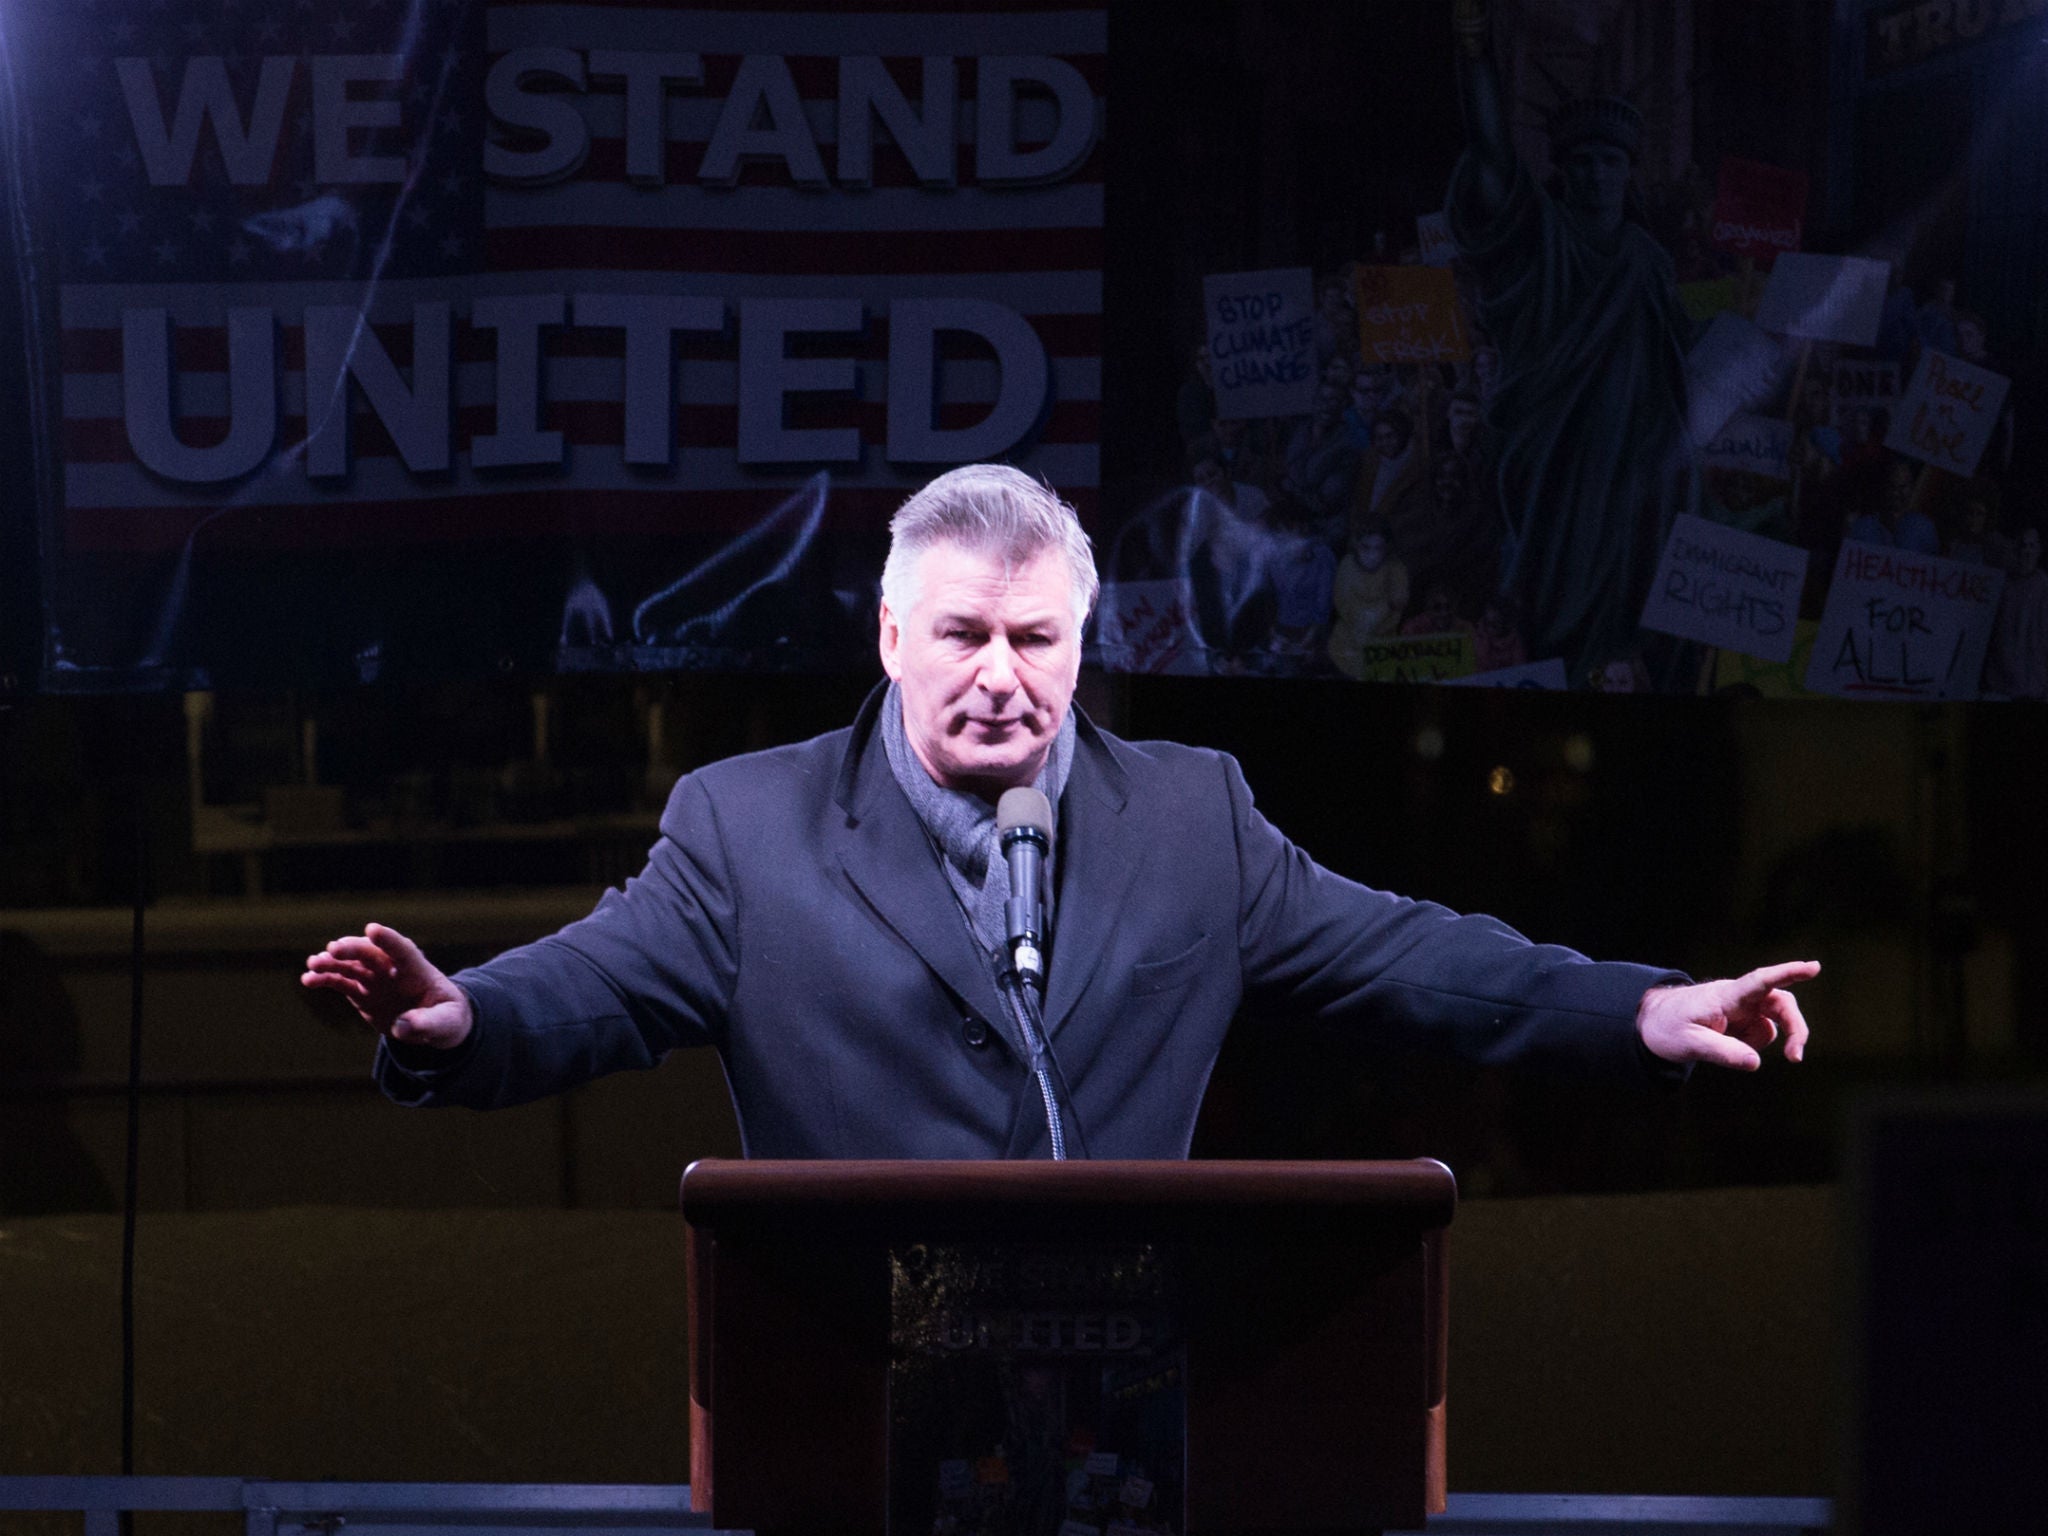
x=973 y=1030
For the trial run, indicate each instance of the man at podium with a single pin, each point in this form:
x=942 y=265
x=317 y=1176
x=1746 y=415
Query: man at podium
x=887 y=973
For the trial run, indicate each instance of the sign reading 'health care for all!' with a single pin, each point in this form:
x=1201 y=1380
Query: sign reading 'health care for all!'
x=1262 y=342
x=1728 y=588
x=1904 y=626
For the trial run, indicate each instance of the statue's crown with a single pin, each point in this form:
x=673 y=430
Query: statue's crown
x=1609 y=119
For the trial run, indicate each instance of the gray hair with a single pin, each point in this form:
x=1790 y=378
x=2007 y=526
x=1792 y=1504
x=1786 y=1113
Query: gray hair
x=990 y=509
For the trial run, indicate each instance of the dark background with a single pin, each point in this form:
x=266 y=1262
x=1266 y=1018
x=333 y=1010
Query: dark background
x=1603 y=1344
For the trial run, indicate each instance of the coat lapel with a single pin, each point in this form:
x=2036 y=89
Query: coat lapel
x=1096 y=869
x=888 y=856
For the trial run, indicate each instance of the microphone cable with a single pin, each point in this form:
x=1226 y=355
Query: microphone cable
x=1023 y=1001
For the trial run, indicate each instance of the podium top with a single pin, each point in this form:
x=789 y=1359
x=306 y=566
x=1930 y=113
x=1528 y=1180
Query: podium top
x=1308 y=1199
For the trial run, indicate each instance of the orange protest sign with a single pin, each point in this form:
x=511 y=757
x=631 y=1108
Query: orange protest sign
x=1409 y=315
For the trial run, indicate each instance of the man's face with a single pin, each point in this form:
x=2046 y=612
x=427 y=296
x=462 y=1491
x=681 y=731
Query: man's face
x=1386 y=440
x=1464 y=423
x=987 y=658
x=1596 y=179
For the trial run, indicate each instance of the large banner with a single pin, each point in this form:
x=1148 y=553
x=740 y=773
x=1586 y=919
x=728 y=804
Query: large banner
x=369 y=338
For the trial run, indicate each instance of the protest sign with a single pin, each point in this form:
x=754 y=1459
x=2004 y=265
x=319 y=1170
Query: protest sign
x=1759 y=210
x=1738 y=673
x=1433 y=239
x=1948 y=412
x=1548 y=674
x=1825 y=298
x=1148 y=626
x=1904 y=626
x=1866 y=383
x=1409 y=315
x=1723 y=587
x=1733 y=367
x=1760 y=444
x=1419 y=658
x=1262 y=342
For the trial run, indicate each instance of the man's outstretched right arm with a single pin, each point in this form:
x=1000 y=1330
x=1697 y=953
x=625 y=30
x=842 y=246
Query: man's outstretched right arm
x=654 y=967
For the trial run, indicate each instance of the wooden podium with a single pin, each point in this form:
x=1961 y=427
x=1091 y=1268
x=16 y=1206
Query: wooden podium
x=1309 y=1316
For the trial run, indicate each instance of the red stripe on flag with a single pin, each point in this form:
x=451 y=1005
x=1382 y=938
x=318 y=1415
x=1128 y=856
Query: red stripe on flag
x=816 y=75
x=589 y=423
x=978 y=9
x=794 y=252
x=512 y=514
x=682 y=158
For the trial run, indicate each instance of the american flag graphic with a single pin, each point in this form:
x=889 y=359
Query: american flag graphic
x=443 y=221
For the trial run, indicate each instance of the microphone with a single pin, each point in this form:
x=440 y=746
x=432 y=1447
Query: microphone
x=1024 y=831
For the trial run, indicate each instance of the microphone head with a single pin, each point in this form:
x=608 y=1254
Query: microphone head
x=1024 y=810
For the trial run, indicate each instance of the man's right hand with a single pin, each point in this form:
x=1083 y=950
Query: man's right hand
x=394 y=989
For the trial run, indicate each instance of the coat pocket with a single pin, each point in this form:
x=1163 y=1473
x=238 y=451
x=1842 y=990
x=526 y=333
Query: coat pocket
x=1155 y=976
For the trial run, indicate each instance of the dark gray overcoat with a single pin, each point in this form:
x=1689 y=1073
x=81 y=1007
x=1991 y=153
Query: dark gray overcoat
x=794 y=916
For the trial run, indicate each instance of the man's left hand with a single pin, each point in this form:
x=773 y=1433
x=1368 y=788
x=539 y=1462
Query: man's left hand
x=1727 y=1023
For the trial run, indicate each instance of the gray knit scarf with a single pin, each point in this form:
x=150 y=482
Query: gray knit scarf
x=963 y=826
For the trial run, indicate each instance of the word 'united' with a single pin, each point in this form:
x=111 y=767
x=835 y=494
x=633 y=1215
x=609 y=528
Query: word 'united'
x=1046 y=1332
x=417 y=414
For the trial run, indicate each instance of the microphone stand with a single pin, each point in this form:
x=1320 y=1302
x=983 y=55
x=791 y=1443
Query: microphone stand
x=1024 y=833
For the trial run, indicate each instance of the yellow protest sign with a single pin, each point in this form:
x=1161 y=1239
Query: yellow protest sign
x=1773 y=679
x=1409 y=315
x=1419 y=658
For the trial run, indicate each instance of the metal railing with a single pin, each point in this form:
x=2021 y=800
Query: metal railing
x=559 y=1509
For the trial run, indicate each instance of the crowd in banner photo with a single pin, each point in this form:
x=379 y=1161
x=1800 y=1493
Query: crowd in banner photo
x=1342 y=510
